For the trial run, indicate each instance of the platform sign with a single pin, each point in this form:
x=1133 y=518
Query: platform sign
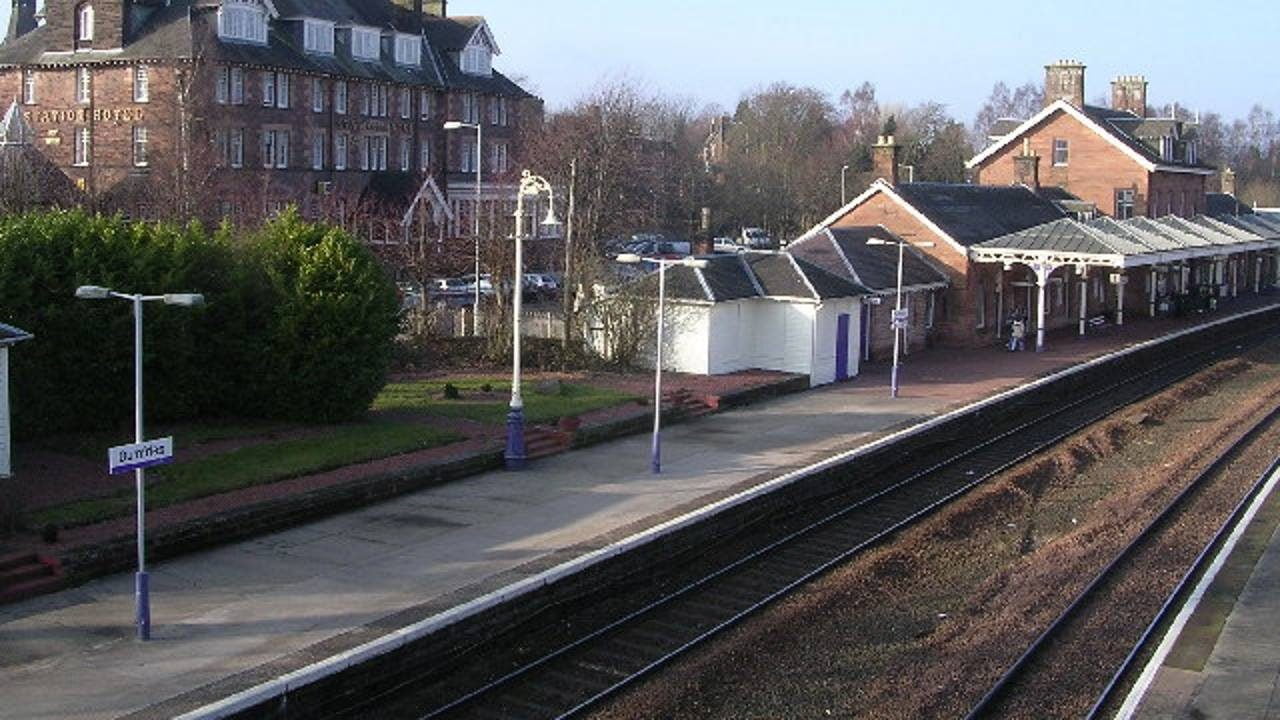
x=126 y=458
x=900 y=314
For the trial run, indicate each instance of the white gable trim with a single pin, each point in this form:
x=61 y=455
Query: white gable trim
x=796 y=266
x=746 y=268
x=848 y=265
x=485 y=35
x=1073 y=111
x=706 y=287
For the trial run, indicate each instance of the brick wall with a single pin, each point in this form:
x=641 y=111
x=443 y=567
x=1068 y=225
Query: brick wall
x=1176 y=194
x=1095 y=167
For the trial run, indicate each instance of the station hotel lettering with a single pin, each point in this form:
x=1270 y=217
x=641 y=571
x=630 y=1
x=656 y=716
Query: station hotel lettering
x=237 y=108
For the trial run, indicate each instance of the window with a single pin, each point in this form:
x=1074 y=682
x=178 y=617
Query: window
x=268 y=88
x=1166 y=148
x=406 y=153
x=139 y=147
x=498 y=112
x=340 y=97
x=282 y=90
x=1193 y=155
x=29 y=87
x=477 y=60
x=380 y=95
x=424 y=104
x=318 y=143
x=468 y=160
x=222 y=88
x=365 y=43
x=141 y=84
x=221 y=148
x=424 y=156
x=406 y=103
x=408 y=50
x=317 y=36
x=237 y=86
x=340 y=151
x=1061 y=151
x=498 y=157
x=366 y=99
x=84 y=86
x=470 y=108
x=317 y=95
x=237 y=148
x=239 y=20
x=81 y=156
x=1124 y=203
x=275 y=148
x=84 y=23
x=373 y=152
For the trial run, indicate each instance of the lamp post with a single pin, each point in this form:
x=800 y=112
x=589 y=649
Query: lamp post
x=844 y=169
x=475 y=216
x=94 y=292
x=899 y=322
x=530 y=185
x=656 y=449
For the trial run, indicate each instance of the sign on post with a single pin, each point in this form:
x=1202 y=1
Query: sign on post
x=126 y=458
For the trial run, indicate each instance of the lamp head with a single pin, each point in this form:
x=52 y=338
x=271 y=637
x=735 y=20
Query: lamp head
x=924 y=243
x=550 y=225
x=184 y=299
x=93 y=292
x=453 y=125
x=877 y=241
x=628 y=258
x=693 y=262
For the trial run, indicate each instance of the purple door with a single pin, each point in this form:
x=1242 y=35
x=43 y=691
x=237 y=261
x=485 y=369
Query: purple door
x=842 y=346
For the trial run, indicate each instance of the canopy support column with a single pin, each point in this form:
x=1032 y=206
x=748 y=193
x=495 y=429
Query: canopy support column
x=1153 y=277
x=1000 y=302
x=1257 y=274
x=1084 y=296
x=1042 y=271
x=1121 y=281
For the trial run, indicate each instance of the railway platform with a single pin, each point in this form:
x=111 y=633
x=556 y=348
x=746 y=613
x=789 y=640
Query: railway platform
x=1224 y=661
x=229 y=621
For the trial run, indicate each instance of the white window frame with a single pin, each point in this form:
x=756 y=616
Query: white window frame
x=242 y=21
x=424 y=104
x=319 y=141
x=282 y=90
x=1061 y=152
x=141 y=84
x=471 y=108
x=366 y=99
x=408 y=49
x=468 y=155
x=84 y=86
x=1166 y=148
x=424 y=156
x=317 y=36
x=340 y=151
x=340 y=97
x=268 y=88
x=366 y=43
x=140 y=140
x=499 y=156
x=1125 y=198
x=84 y=23
x=317 y=95
x=237 y=86
x=236 y=142
x=82 y=151
x=406 y=103
x=222 y=147
x=29 y=96
x=1193 y=154
x=477 y=60
x=406 y=153
x=222 y=86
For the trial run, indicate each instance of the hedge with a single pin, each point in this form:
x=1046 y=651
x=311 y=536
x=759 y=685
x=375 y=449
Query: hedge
x=299 y=321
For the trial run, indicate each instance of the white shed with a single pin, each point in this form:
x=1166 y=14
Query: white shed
x=9 y=335
x=768 y=311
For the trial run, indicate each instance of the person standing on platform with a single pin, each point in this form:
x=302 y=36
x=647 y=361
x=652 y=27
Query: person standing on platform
x=1017 y=335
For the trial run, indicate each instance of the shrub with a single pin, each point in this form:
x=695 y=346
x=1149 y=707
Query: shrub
x=450 y=392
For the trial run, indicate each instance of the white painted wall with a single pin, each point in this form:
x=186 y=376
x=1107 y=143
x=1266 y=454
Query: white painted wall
x=686 y=342
x=825 y=335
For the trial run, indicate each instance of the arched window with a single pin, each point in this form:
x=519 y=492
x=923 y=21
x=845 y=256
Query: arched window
x=84 y=23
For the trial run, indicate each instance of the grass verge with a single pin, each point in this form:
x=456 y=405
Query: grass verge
x=254 y=465
x=475 y=402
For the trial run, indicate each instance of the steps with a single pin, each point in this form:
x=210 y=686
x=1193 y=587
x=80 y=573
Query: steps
x=543 y=441
x=682 y=402
x=26 y=575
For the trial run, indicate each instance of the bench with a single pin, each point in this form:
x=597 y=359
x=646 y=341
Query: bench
x=1098 y=323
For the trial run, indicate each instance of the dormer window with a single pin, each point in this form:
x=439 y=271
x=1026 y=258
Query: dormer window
x=84 y=23
x=365 y=43
x=317 y=36
x=1166 y=148
x=1193 y=155
x=242 y=21
x=477 y=60
x=408 y=50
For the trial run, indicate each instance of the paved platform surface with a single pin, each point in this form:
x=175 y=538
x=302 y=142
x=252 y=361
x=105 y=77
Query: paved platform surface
x=228 y=612
x=1228 y=670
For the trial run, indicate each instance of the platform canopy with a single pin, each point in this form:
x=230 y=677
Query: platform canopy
x=1136 y=242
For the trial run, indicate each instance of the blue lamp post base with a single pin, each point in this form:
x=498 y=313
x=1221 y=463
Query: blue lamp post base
x=515 y=454
x=142 y=598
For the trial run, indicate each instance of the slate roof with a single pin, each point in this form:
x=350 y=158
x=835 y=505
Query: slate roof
x=875 y=267
x=750 y=275
x=1225 y=204
x=1140 y=236
x=184 y=29
x=1068 y=236
x=1142 y=134
x=10 y=335
x=972 y=214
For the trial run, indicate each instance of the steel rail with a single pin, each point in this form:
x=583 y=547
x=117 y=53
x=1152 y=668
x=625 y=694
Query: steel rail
x=997 y=692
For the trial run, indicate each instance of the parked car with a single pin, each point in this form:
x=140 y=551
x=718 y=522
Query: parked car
x=541 y=283
x=671 y=249
x=726 y=245
x=486 y=283
x=446 y=287
x=754 y=238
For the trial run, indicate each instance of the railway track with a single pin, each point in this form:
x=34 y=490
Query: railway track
x=567 y=679
x=1097 y=597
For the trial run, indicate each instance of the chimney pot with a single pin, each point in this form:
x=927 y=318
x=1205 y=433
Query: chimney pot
x=884 y=159
x=1064 y=80
x=1129 y=92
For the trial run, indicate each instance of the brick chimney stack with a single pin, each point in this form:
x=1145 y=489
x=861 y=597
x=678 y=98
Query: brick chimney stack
x=1026 y=167
x=1129 y=92
x=1064 y=80
x=22 y=19
x=1227 y=182
x=884 y=159
x=439 y=8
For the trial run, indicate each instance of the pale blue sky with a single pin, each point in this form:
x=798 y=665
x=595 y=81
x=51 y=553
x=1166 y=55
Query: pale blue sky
x=953 y=52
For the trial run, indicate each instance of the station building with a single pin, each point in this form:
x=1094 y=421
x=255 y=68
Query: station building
x=237 y=108
x=1075 y=217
